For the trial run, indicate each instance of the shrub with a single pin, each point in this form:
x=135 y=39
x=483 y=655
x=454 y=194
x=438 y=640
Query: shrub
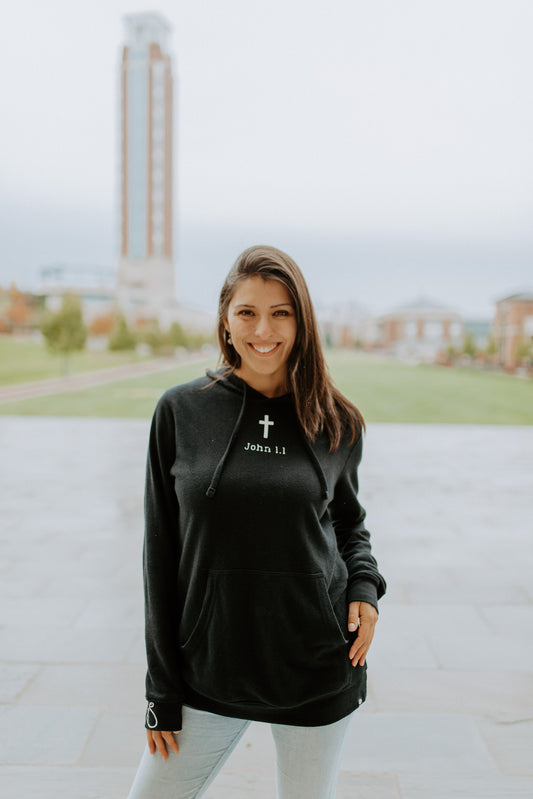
x=122 y=338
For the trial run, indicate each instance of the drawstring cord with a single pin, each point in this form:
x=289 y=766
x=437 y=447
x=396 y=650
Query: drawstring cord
x=211 y=491
x=316 y=464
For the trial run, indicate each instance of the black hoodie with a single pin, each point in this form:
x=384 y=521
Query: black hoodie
x=254 y=545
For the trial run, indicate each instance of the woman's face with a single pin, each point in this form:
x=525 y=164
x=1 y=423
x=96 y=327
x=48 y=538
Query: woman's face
x=262 y=323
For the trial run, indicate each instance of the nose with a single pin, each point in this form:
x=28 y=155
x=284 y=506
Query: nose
x=263 y=327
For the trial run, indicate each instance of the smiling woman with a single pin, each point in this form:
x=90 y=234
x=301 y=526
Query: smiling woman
x=261 y=326
x=261 y=588
x=319 y=405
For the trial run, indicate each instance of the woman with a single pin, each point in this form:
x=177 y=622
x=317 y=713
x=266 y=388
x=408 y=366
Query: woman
x=261 y=591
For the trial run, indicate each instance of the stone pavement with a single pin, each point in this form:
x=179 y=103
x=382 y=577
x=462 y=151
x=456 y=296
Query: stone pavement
x=450 y=707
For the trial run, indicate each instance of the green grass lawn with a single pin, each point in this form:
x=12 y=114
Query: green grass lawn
x=385 y=391
x=23 y=360
x=389 y=391
x=124 y=398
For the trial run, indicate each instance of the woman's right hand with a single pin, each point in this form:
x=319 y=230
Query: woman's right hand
x=160 y=740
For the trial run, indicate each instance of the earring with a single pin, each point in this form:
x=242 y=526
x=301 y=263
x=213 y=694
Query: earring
x=228 y=338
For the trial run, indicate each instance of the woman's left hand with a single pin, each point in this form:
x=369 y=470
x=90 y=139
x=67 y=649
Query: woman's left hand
x=364 y=616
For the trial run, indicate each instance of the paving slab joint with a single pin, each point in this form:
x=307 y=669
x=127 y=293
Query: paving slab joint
x=31 y=681
x=89 y=737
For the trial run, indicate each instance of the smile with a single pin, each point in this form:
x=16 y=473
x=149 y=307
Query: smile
x=265 y=349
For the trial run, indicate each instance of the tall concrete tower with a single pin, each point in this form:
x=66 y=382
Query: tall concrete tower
x=146 y=269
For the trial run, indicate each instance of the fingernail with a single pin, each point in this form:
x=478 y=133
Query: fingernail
x=351 y=626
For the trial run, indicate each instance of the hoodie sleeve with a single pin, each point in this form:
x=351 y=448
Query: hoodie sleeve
x=365 y=583
x=160 y=566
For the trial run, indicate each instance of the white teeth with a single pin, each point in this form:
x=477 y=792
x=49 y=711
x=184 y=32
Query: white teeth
x=264 y=350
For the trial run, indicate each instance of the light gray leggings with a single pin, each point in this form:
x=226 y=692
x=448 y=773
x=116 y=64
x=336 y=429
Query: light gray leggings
x=307 y=758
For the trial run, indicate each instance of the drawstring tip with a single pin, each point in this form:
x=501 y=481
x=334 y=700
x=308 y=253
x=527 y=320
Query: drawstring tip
x=210 y=492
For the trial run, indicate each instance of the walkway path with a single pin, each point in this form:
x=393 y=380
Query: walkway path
x=57 y=385
x=450 y=707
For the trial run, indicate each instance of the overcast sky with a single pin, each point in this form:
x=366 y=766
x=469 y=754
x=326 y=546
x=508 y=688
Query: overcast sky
x=387 y=145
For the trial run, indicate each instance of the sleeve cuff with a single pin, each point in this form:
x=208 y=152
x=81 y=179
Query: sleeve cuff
x=163 y=716
x=363 y=591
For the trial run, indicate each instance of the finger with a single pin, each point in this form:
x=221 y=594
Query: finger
x=361 y=645
x=364 y=639
x=171 y=741
x=360 y=649
x=160 y=743
x=353 y=616
x=357 y=651
x=360 y=656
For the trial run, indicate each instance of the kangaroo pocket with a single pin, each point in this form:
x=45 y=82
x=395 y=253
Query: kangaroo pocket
x=267 y=638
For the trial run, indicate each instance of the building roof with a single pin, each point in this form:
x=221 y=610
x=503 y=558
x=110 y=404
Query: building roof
x=524 y=296
x=422 y=306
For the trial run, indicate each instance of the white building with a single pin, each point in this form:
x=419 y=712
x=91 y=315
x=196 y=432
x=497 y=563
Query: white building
x=94 y=285
x=348 y=325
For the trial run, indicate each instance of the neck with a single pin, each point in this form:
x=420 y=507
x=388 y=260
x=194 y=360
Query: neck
x=269 y=385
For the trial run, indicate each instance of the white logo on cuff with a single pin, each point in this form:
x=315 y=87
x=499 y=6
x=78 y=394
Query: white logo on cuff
x=149 y=713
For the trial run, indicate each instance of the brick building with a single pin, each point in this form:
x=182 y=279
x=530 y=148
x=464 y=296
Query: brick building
x=513 y=327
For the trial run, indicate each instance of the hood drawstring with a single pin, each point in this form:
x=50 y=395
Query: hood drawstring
x=211 y=491
x=316 y=463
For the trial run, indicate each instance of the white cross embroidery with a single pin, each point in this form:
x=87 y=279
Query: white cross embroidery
x=266 y=424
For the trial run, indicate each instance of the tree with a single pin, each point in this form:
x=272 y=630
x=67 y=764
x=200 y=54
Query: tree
x=469 y=344
x=19 y=310
x=64 y=330
x=524 y=352
x=195 y=341
x=451 y=354
x=176 y=335
x=492 y=352
x=122 y=338
x=156 y=339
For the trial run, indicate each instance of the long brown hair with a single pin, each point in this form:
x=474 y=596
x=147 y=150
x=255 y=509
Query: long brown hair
x=319 y=404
